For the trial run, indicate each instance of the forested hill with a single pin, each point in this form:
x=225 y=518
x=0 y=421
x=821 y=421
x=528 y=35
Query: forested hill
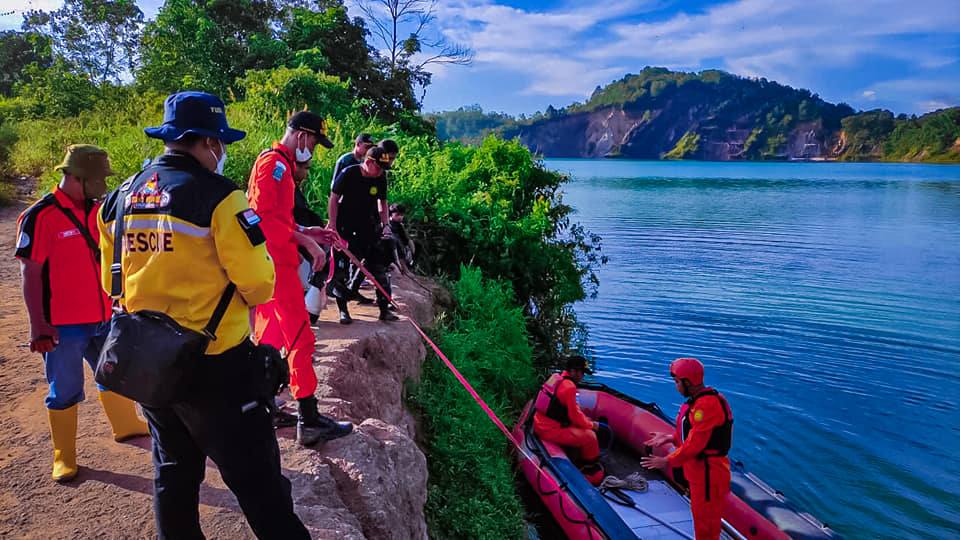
x=713 y=115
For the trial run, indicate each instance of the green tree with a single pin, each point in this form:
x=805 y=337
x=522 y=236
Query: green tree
x=18 y=50
x=329 y=40
x=865 y=132
x=469 y=124
x=273 y=93
x=407 y=57
x=98 y=37
x=57 y=91
x=209 y=44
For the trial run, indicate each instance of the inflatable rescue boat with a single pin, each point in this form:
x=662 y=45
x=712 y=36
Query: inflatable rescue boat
x=754 y=510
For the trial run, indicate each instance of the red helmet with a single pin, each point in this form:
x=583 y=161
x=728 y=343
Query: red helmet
x=687 y=368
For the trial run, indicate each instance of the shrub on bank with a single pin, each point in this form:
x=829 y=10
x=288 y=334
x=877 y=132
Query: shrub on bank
x=471 y=492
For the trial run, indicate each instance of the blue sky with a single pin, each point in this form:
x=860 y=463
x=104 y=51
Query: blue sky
x=896 y=54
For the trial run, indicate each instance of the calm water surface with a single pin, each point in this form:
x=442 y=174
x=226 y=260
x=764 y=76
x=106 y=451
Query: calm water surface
x=824 y=300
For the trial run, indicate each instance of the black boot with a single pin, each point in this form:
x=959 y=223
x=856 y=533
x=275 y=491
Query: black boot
x=313 y=426
x=344 y=312
x=386 y=316
x=360 y=299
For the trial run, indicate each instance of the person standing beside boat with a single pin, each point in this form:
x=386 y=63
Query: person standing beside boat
x=559 y=419
x=703 y=434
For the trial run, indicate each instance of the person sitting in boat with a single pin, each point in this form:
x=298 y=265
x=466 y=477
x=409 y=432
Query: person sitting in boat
x=558 y=418
x=702 y=436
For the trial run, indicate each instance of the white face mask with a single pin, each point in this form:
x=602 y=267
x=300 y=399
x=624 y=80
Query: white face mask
x=223 y=158
x=302 y=154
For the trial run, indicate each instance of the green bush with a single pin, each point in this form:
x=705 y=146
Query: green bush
x=8 y=138
x=686 y=147
x=932 y=137
x=495 y=208
x=471 y=492
x=115 y=124
x=274 y=93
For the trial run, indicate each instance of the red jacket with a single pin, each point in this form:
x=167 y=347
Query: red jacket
x=707 y=414
x=270 y=193
x=567 y=395
x=45 y=235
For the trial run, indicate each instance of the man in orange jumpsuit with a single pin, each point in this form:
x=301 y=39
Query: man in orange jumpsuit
x=283 y=321
x=702 y=436
x=558 y=418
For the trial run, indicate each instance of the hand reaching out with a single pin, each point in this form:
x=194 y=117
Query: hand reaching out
x=659 y=439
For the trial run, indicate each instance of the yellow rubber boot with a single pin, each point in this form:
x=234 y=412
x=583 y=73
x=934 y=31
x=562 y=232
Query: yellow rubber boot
x=63 y=435
x=122 y=414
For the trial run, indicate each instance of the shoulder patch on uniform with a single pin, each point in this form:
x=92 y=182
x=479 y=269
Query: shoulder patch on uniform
x=250 y=223
x=697 y=415
x=278 y=169
x=250 y=217
x=23 y=241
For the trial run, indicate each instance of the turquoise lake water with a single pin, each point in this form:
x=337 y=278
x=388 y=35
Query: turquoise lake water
x=824 y=300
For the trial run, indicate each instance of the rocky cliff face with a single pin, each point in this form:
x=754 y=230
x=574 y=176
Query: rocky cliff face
x=652 y=134
x=709 y=115
x=373 y=483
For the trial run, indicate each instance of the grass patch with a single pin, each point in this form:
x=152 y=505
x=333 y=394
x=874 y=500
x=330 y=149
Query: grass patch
x=471 y=487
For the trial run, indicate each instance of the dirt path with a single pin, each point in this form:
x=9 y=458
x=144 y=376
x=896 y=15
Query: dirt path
x=112 y=494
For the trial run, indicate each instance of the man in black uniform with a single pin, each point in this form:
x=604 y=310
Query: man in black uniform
x=363 y=143
x=358 y=212
x=189 y=234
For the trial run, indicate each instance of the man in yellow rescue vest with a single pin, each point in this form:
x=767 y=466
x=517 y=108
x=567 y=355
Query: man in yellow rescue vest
x=558 y=418
x=189 y=234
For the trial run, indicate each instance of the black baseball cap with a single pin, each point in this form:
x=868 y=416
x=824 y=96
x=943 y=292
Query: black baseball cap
x=311 y=123
x=364 y=138
x=577 y=361
x=390 y=146
x=379 y=155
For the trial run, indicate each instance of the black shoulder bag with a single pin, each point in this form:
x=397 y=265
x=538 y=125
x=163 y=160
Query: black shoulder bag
x=147 y=356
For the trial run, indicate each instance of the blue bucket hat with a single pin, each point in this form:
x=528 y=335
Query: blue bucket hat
x=199 y=113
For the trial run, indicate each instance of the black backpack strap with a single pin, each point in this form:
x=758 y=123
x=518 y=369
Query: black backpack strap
x=211 y=329
x=84 y=231
x=116 y=268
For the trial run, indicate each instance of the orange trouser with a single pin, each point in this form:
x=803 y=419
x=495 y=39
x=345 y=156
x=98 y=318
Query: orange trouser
x=584 y=440
x=284 y=323
x=708 y=513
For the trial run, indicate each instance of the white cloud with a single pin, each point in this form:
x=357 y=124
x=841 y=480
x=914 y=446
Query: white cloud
x=934 y=104
x=568 y=51
x=13 y=11
x=763 y=36
x=546 y=46
x=869 y=95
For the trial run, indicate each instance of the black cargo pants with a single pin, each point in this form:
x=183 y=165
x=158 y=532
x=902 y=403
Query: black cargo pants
x=364 y=247
x=215 y=420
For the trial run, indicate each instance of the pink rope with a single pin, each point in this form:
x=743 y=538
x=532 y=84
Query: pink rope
x=463 y=380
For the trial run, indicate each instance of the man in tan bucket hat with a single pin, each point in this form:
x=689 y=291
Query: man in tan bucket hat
x=57 y=246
